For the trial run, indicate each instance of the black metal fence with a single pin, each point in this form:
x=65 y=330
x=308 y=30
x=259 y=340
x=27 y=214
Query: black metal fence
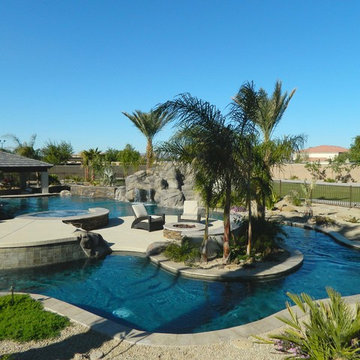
x=327 y=193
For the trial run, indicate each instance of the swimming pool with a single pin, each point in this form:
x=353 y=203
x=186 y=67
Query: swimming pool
x=21 y=206
x=131 y=290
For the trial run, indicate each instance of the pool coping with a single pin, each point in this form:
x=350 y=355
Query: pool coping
x=261 y=271
x=91 y=212
x=120 y=332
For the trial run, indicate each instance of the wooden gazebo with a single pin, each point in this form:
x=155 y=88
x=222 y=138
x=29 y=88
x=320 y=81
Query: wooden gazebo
x=11 y=163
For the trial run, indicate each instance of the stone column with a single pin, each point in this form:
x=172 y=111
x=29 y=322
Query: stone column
x=23 y=178
x=44 y=182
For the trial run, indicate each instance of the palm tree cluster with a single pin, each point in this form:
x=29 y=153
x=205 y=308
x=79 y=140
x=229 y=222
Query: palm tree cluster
x=226 y=152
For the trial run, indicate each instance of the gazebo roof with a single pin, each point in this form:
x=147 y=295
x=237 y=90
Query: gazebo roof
x=16 y=163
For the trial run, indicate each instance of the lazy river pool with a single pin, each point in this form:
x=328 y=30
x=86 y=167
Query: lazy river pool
x=131 y=290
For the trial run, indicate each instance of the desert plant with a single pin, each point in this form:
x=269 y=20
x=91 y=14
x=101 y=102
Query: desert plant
x=108 y=176
x=272 y=200
x=331 y=332
x=294 y=198
x=324 y=221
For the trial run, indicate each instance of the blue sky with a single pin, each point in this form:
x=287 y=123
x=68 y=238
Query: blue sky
x=69 y=68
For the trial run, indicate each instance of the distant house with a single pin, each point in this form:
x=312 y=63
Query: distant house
x=322 y=153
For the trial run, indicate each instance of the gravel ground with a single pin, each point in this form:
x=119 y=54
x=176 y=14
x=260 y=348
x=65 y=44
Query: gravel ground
x=78 y=343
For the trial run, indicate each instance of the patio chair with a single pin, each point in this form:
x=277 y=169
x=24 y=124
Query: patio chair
x=191 y=211
x=145 y=221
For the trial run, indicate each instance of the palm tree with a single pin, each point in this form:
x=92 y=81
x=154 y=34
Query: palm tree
x=185 y=147
x=90 y=159
x=242 y=112
x=267 y=115
x=25 y=148
x=271 y=109
x=149 y=124
x=213 y=144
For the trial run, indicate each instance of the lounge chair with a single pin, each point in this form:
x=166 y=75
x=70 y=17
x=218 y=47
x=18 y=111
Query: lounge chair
x=145 y=221
x=191 y=211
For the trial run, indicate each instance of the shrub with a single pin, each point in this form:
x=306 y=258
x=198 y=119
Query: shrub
x=353 y=220
x=324 y=221
x=26 y=320
x=329 y=180
x=331 y=332
x=265 y=235
x=294 y=198
x=54 y=179
x=186 y=252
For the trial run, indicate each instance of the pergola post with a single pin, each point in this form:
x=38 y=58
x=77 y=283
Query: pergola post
x=23 y=178
x=44 y=182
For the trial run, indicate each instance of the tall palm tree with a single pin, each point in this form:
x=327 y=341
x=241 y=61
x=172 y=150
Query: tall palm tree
x=25 y=148
x=213 y=144
x=271 y=109
x=185 y=147
x=268 y=113
x=149 y=124
x=243 y=112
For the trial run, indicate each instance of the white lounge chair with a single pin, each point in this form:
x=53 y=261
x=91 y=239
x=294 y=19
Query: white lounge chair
x=191 y=211
x=145 y=221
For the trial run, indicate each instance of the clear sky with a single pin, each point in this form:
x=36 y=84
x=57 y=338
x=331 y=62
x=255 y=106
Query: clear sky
x=68 y=68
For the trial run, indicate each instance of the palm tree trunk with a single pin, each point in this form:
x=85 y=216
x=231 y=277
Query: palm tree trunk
x=149 y=155
x=227 y=220
x=248 y=195
x=206 y=236
x=261 y=207
x=248 y=247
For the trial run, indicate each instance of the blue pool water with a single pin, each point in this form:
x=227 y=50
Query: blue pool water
x=20 y=206
x=133 y=291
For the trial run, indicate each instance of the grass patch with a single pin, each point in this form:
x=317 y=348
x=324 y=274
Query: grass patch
x=26 y=320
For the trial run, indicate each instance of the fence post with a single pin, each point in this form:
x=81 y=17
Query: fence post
x=350 y=190
x=280 y=188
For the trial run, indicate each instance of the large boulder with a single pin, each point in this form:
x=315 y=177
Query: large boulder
x=120 y=193
x=167 y=184
x=93 y=245
x=169 y=198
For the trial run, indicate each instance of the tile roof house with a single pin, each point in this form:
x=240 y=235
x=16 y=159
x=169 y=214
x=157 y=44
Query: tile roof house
x=322 y=153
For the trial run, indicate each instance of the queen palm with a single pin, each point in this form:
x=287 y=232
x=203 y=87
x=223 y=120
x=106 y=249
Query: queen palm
x=267 y=114
x=149 y=124
x=187 y=147
x=213 y=144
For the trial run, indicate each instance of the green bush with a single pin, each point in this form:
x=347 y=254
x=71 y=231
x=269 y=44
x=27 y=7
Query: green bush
x=331 y=332
x=186 y=252
x=26 y=320
x=54 y=179
x=265 y=235
x=294 y=197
